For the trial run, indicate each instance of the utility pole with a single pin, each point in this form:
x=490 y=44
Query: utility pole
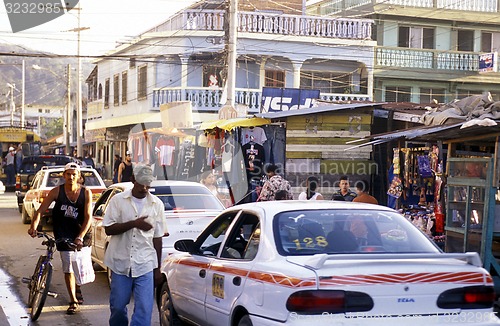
x=228 y=110
x=12 y=104
x=23 y=91
x=67 y=116
x=79 y=123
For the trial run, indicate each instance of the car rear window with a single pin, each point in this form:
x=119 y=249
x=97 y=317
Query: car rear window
x=57 y=178
x=180 y=198
x=308 y=232
x=34 y=164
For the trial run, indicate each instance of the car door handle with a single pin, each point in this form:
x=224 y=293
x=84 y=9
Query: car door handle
x=237 y=281
x=203 y=273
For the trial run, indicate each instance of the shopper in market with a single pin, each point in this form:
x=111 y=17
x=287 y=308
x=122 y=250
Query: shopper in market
x=344 y=190
x=310 y=193
x=274 y=183
x=362 y=189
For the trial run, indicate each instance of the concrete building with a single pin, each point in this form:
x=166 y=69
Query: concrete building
x=184 y=59
x=426 y=49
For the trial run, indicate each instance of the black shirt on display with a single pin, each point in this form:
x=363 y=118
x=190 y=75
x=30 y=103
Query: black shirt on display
x=254 y=157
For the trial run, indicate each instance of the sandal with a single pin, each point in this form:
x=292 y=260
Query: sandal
x=73 y=308
x=79 y=296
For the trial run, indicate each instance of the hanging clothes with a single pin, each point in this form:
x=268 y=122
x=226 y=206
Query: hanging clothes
x=255 y=134
x=165 y=147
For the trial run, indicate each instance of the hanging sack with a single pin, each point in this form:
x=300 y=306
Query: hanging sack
x=83 y=267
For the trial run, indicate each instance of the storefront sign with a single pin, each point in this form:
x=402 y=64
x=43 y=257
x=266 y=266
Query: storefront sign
x=13 y=136
x=117 y=134
x=488 y=62
x=284 y=99
x=95 y=135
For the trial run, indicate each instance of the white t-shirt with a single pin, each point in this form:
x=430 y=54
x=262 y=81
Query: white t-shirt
x=257 y=134
x=303 y=196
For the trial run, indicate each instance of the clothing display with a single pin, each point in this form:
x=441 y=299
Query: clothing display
x=255 y=134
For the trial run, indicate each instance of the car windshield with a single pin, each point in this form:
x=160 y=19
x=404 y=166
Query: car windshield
x=309 y=232
x=31 y=165
x=187 y=198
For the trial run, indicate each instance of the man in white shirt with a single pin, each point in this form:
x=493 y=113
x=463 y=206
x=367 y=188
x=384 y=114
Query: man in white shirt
x=135 y=220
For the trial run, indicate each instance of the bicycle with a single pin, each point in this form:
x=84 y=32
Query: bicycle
x=39 y=282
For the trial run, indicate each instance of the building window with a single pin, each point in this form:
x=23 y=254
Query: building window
x=490 y=42
x=275 y=78
x=116 y=90
x=132 y=63
x=106 y=93
x=397 y=94
x=416 y=37
x=124 y=87
x=326 y=82
x=465 y=41
x=428 y=95
x=142 y=82
x=212 y=76
x=99 y=92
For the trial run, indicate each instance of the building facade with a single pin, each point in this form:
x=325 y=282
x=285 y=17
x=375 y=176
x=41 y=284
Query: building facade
x=184 y=59
x=426 y=49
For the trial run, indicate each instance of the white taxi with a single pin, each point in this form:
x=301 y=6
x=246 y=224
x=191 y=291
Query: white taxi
x=320 y=263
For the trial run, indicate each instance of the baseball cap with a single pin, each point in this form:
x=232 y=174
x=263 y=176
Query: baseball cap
x=71 y=166
x=11 y=148
x=128 y=153
x=143 y=174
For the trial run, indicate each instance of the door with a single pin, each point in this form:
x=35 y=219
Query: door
x=99 y=237
x=228 y=272
x=189 y=276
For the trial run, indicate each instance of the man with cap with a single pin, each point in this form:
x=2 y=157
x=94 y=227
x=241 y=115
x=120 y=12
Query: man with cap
x=71 y=218
x=10 y=170
x=135 y=221
x=125 y=169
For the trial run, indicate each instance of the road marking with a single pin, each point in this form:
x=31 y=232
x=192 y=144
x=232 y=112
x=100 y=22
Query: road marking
x=13 y=308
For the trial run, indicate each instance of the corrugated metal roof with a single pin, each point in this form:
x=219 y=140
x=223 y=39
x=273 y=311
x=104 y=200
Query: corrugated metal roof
x=318 y=109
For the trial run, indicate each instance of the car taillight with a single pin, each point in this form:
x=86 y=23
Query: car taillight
x=18 y=182
x=330 y=301
x=470 y=297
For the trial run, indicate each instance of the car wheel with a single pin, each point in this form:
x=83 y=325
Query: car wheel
x=245 y=321
x=25 y=217
x=168 y=316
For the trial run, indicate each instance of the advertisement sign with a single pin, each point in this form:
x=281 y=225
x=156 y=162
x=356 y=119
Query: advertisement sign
x=284 y=99
x=488 y=62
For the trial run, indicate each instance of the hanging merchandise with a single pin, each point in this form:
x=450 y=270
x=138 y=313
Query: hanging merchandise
x=396 y=187
x=395 y=161
x=424 y=166
x=255 y=134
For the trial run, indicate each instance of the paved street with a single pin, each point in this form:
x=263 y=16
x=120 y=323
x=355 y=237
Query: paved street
x=18 y=254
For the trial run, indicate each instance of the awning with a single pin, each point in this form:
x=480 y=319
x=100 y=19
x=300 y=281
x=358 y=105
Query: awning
x=410 y=133
x=123 y=121
x=229 y=124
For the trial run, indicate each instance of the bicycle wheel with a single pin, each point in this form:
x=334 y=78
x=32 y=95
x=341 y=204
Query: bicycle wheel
x=42 y=289
x=34 y=279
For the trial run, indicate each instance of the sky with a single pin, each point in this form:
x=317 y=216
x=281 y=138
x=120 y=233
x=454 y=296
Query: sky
x=109 y=21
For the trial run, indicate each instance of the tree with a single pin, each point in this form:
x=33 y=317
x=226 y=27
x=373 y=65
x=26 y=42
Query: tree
x=53 y=127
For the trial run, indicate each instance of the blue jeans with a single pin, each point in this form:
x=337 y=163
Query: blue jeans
x=122 y=288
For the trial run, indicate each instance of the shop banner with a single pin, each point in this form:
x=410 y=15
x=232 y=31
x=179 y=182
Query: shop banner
x=284 y=99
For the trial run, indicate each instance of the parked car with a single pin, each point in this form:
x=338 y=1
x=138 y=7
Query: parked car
x=321 y=263
x=30 y=166
x=189 y=207
x=49 y=177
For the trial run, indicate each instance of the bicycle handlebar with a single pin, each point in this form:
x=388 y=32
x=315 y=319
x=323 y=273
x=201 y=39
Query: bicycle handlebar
x=50 y=239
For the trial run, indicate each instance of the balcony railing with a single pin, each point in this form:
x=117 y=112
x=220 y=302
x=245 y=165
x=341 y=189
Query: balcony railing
x=268 y=23
x=208 y=99
x=427 y=59
x=336 y=6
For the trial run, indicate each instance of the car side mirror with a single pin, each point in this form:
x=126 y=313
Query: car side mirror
x=186 y=245
x=99 y=211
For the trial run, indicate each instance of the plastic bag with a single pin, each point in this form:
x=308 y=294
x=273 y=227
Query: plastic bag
x=83 y=267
